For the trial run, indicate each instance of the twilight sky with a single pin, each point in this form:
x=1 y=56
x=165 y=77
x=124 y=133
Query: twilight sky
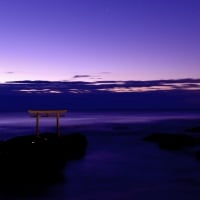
x=91 y=40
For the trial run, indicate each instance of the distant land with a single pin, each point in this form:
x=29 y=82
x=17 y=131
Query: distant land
x=181 y=94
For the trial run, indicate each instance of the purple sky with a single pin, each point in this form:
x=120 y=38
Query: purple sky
x=99 y=39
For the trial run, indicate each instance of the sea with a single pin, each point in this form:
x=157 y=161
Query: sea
x=118 y=163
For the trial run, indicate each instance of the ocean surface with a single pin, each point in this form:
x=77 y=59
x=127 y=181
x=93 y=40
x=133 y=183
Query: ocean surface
x=118 y=164
x=12 y=124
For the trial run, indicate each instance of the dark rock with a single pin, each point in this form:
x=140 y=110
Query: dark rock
x=194 y=129
x=171 y=141
x=120 y=127
x=32 y=159
x=197 y=154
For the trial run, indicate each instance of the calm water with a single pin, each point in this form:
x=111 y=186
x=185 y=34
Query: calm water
x=20 y=120
x=118 y=164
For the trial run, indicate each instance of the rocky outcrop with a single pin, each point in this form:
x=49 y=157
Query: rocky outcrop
x=194 y=129
x=33 y=159
x=172 y=141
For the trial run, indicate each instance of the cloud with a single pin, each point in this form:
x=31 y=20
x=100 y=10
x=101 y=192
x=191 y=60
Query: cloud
x=102 y=95
x=81 y=76
x=101 y=86
x=91 y=77
x=9 y=72
x=105 y=73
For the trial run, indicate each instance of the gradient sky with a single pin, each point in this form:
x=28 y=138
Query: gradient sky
x=99 y=39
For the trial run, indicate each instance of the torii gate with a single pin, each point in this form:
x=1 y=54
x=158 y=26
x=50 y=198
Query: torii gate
x=46 y=113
